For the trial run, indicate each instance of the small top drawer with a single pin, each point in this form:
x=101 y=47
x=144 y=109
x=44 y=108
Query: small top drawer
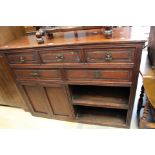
x=110 y=55
x=65 y=56
x=22 y=58
x=40 y=74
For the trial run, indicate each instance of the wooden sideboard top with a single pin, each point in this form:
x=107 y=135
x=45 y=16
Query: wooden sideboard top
x=120 y=35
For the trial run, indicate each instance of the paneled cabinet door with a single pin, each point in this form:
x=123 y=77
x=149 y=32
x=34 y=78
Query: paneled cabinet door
x=47 y=101
x=58 y=100
x=37 y=100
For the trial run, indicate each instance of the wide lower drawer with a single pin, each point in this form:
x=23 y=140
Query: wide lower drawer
x=45 y=74
x=99 y=74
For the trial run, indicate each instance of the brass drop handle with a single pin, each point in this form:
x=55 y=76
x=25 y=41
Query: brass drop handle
x=35 y=74
x=59 y=57
x=108 y=56
x=22 y=60
x=97 y=74
x=77 y=59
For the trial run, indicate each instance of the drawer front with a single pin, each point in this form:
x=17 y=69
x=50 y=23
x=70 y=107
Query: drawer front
x=97 y=74
x=109 y=55
x=60 y=56
x=22 y=58
x=37 y=74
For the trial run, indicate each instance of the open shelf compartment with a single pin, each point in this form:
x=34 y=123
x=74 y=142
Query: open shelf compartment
x=101 y=116
x=100 y=96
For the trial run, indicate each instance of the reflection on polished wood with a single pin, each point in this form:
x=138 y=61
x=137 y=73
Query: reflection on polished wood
x=120 y=35
x=9 y=33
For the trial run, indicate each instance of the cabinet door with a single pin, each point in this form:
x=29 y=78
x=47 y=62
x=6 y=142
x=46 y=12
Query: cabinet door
x=37 y=100
x=58 y=100
x=47 y=101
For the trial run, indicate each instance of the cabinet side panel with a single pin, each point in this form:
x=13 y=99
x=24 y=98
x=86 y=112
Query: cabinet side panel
x=9 y=93
x=134 y=83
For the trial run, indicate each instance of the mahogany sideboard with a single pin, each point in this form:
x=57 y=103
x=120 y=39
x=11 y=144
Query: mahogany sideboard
x=88 y=79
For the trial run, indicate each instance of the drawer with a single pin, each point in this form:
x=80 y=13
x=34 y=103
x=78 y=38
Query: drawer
x=22 y=58
x=110 y=55
x=99 y=74
x=65 y=56
x=23 y=74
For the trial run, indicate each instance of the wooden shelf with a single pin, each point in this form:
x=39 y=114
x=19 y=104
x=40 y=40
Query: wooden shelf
x=101 y=116
x=99 y=96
